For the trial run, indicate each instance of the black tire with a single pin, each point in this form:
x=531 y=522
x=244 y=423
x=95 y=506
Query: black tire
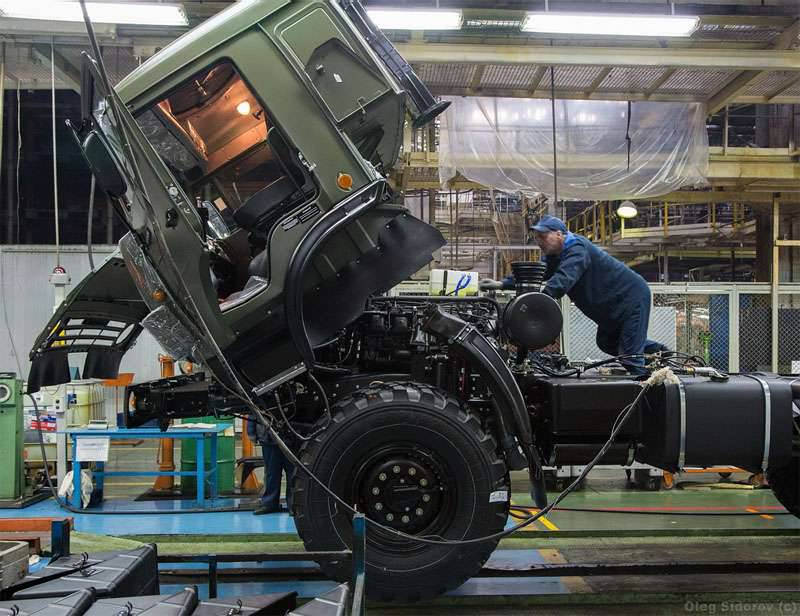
x=785 y=484
x=404 y=426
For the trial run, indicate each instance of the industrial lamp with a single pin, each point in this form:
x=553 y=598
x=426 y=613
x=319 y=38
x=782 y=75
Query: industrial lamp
x=610 y=25
x=627 y=209
x=142 y=13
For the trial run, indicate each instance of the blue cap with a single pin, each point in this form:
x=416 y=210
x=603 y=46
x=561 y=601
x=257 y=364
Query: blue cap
x=549 y=223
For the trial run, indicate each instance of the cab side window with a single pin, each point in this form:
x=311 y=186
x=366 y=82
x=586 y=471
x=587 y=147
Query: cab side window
x=219 y=140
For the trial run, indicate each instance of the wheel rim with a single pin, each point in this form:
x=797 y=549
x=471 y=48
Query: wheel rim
x=405 y=487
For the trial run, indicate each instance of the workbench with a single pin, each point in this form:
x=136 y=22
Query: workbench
x=198 y=434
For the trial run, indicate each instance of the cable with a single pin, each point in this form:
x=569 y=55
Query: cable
x=89 y=225
x=19 y=154
x=55 y=153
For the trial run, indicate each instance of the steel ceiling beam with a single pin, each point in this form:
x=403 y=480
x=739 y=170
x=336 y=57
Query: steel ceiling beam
x=64 y=69
x=739 y=84
x=716 y=59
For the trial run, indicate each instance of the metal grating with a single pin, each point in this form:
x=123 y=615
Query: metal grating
x=788 y=326
x=701 y=325
x=793 y=91
x=22 y=65
x=755 y=333
x=491 y=24
x=738 y=32
x=446 y=74
x=575 y=77
x=692 y=81
x=769 y=83
x=583 y=332
x=630 y=79
x=517 y=77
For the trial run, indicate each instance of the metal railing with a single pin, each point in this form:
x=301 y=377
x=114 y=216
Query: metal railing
x=730 y=325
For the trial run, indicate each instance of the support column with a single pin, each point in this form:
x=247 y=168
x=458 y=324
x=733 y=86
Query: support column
x=776 y=277
x=763 y=240
x=166 y=446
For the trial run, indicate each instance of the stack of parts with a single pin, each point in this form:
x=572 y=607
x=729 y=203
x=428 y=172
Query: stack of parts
x=126 y=584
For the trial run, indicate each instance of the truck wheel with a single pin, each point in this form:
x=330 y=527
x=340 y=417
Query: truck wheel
x=785 y=484
x=410 y=457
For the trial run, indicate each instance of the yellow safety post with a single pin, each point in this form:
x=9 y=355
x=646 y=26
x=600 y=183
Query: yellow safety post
x=166 y=449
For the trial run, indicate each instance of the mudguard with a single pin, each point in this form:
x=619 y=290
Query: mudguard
x=466 y=340
x=100 y=317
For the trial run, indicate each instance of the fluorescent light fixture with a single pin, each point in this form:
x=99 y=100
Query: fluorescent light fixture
x=616 y=25
x=627 y=209
x=139 y=13
x=415 y=19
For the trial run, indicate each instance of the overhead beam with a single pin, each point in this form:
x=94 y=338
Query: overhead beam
x=786 y=86
x=66 y=71
x=536 y=79
x=601 y=77
x=717 y=59
x=477 y=76
x=572 y=94
x=731 y=90
x=659 y=82
x=738 y=84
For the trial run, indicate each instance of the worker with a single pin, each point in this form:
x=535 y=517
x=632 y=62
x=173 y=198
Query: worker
x=603 y=288
x=275 y=466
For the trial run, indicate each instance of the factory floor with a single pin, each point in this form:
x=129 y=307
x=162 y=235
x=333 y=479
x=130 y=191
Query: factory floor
x=578 y=533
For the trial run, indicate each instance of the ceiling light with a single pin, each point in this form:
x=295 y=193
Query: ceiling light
x=243 y=108
x=403 y=19
x=146 y=14
x=617 y=25
x=627 y=209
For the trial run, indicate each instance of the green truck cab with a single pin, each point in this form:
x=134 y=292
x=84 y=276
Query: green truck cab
x=253 y=154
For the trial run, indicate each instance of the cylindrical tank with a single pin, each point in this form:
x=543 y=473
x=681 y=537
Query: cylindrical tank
x=745 y=421
x=226 y=458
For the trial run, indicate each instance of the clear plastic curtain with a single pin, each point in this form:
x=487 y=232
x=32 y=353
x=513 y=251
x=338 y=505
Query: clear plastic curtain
x=507 y=144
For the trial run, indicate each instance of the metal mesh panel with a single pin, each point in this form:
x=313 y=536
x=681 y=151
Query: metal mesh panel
x=701 y=325
x=692 y=80
x=583 y=332
x=755 y=333
x=769 y=83
x=789 y=332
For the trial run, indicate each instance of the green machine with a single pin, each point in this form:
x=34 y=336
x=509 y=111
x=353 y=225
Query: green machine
x=12 y=431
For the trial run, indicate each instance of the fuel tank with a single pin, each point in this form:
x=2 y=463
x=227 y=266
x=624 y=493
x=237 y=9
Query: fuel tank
x=744 y=421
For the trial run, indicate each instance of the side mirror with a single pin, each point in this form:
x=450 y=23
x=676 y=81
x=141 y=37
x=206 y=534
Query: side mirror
x=101 y=162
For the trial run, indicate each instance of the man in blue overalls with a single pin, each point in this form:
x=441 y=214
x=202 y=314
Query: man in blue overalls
x=603 y=288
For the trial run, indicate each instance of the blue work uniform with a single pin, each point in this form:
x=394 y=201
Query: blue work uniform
x=275 y=465
x=608 y=292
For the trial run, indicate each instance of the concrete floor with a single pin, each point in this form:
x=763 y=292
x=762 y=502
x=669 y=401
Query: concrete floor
x=665 y=532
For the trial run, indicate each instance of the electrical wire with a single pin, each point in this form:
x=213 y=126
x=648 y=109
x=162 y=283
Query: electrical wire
x=55 y=152
x=89 y=224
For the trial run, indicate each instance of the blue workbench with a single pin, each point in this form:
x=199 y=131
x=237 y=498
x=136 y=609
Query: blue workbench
x=199 y=435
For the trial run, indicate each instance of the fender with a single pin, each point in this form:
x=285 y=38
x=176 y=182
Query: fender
x=470 y=343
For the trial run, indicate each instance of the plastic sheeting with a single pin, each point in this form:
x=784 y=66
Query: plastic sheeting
x=507 y=144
